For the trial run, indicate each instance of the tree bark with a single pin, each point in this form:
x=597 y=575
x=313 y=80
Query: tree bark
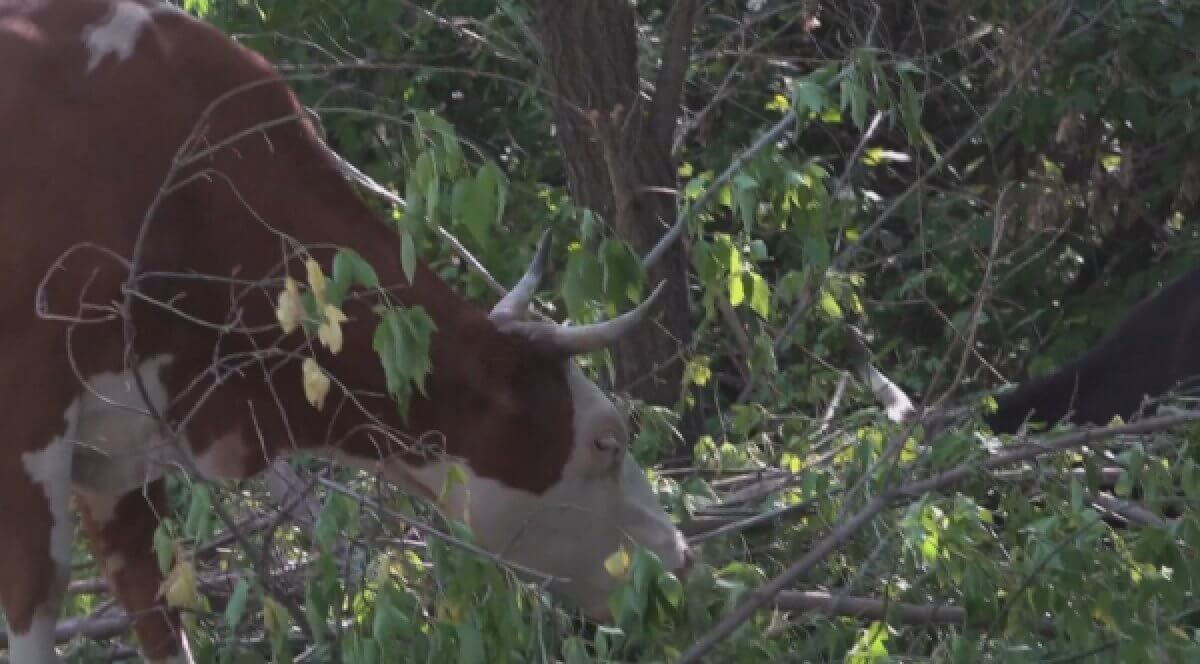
x=617 y=153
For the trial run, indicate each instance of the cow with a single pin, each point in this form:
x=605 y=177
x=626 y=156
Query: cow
x=1146 y=356
x=162 y=192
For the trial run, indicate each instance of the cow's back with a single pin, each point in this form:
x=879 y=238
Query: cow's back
x=88 y=127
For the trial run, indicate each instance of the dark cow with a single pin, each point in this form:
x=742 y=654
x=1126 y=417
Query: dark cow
x=1148 y=355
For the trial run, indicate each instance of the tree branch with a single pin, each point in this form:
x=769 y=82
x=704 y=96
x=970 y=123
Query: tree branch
x=681 y=223
x=834 y=604
x=676 y=55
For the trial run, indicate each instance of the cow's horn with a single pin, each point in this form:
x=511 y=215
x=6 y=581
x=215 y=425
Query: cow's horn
x=515 y=305
x=588 y=338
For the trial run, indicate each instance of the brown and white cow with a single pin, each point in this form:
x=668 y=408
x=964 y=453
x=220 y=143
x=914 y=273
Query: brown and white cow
x=138 y=141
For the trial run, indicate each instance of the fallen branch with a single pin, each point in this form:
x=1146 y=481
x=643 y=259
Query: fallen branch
x=95 y=628
x=106 y=625
x=913 y=490
x=834 y=604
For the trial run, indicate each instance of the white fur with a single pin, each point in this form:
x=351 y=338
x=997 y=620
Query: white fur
x=51 y=468
x=116 y=34
x=601 y=501
x=37 y=645
x=119 y=445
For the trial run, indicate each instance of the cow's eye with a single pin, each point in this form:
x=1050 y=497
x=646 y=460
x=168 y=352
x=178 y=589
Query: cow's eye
x=607 y=443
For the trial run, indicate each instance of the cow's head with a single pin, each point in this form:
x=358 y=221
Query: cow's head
x=550 y=482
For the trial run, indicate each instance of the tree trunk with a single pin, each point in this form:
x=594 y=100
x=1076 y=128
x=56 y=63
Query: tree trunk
x=617 y=153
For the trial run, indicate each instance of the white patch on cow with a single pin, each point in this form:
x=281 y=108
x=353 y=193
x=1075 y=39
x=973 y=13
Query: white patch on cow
x=37 y=645
x=115 y=34
x=120 y=446
x=51 y=468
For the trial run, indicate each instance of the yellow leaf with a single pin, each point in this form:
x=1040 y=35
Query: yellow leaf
x=316 y=281
x=275 y=617
x=181 y=588
x=455 y=477
x=316 y=383
x=617 y=565
x=291 y=308
x=449 y=611
x=330 y=331
x=830 y=306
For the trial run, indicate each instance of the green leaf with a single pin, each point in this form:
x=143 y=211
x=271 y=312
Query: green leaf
x=671 y=589
x=432 y=198
x=622 y=273
x=316 y=609
x=402 y=341
x=350 y=269
x=698 y=371
x=198 y=7
x=583 y=281
x=830 y=305
x=762 y=359
x=760 y=295
x=808 y=96
x=575 y=651
x=451 y=151
x=737 y=290
x=479 y=210
x=199 y=521
x=817 y=254
x=871 y=646
x=408 y=257
x=470 y=644
x=237 y=604
x=707 y=264
x=164 y=547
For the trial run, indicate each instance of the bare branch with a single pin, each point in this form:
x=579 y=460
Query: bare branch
x=654 y=255
x=676 y=55
x=833 y=604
